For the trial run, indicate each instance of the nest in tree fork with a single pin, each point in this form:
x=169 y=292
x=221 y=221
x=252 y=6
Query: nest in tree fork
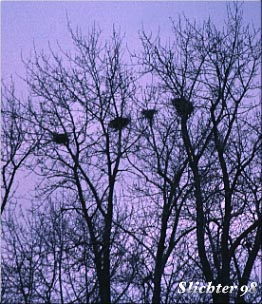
x=60 y=138
x=149 y=114
x=183 y=107
x=119 y=123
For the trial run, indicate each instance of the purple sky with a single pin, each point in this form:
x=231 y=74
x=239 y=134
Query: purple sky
x=36 y=21
x=25 y=23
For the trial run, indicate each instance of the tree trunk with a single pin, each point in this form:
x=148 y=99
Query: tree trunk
x=193 y=163
x=157 y=285
x=159 y=265
x=105 y=289
x=221 y=298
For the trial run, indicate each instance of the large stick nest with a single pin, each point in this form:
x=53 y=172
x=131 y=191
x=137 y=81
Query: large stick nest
x=149 y=113
x=60 y=138
x=183 y=106
x=119 y=123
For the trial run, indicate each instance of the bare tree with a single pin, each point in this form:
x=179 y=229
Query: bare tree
x=81 y=111
x=210 y=74
x=139 y=185
x=163 y=187
x=17 y=145
x=46 y=257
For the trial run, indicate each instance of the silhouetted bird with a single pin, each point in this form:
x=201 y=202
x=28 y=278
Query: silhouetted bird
x=119 y=123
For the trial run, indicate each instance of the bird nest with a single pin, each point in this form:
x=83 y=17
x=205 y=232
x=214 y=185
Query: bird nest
x=149 y=113
x=183 y=107
x=119 y=123
x=60 y=138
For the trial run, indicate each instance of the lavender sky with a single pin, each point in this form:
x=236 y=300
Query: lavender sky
x=25 y=24
x=40 y=22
